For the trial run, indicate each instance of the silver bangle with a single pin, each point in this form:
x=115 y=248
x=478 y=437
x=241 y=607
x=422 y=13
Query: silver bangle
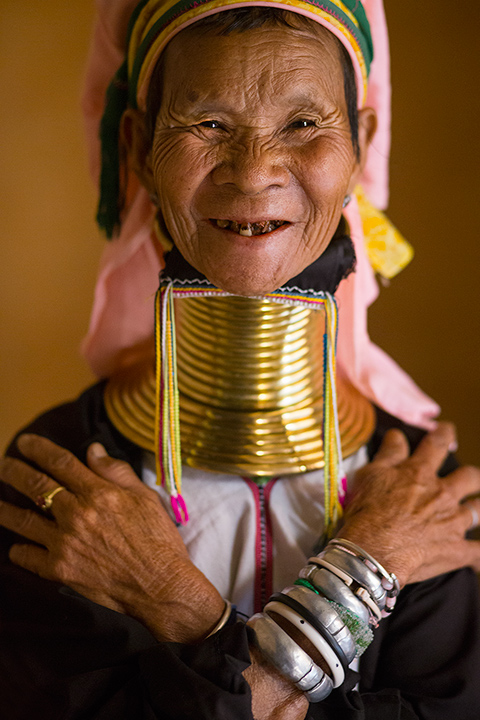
x=327 y=616
x=321 y=690
x=333 y=662
x=223 y=620
x=335 y=589
x=358 y=571
x=290 y=660
x=389 y=580
x=358 y=590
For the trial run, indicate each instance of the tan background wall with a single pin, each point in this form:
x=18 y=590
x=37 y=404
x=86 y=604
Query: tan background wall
x=428 y=319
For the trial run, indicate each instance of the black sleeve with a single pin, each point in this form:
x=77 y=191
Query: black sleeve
x=63 y=657
x=430 y=648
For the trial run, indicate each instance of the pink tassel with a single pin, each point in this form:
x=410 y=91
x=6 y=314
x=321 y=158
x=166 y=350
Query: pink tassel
x=179 y=509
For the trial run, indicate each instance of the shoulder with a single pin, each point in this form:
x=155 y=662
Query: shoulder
x=69 y=423
x=76 y=424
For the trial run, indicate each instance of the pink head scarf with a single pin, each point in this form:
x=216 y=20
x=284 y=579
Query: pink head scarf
x=121 y=324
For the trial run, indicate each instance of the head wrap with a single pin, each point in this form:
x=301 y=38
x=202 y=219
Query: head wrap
x=155 y=22
x=122 y=317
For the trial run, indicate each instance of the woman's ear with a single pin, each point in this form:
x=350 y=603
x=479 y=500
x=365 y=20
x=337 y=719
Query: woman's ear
x=367 y=127
x=134 y=139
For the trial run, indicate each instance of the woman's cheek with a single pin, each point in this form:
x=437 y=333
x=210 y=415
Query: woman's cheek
x=177 y=217
x=174 y=170
x=326 y=165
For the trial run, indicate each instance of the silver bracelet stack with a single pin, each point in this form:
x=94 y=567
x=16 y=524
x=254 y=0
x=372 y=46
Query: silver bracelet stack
x=340 y=594
x=389 y=581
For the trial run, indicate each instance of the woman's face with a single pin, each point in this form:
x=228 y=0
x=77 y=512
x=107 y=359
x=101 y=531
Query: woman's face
x=252 y=155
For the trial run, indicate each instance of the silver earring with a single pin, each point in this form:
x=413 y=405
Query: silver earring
x=346 y=200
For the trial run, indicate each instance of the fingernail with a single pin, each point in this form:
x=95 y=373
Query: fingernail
x=24 y=440
x=453 y=447
x=97 y=450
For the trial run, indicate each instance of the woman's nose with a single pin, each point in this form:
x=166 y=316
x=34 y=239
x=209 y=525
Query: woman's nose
x=252 y=167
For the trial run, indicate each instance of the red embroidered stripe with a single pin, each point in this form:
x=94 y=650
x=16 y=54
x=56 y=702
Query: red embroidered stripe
x=263 y=583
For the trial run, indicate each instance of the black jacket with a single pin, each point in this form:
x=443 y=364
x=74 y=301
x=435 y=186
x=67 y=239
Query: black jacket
x=63 y=657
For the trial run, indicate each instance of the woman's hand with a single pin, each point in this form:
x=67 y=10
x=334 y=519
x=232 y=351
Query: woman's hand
x=109 y=538
x=408 y=518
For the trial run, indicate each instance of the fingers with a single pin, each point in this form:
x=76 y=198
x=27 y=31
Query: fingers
x=110 y=468
x=463 y=482
x=31 y=557
x=57 y=462
x=65 y=468
x=27 y=523
x=467 y=555
x=393 y=450
x=31 y=482
x=446 y=556
x=435 y=446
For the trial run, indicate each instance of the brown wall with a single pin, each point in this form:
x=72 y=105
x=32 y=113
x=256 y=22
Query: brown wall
x=428 y=319
x=49 y=244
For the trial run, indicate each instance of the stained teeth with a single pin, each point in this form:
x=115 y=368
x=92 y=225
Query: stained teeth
x=249 y=229
x=245 y=230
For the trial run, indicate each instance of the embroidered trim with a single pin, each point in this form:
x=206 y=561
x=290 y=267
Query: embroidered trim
x=263 y=584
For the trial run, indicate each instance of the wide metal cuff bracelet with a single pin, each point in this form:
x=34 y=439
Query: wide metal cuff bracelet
x=335 y=590
x=321 y=611
x=290 y=660
x=324 y=648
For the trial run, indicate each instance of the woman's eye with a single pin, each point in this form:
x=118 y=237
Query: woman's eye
x=213 y=124
x=301 y=124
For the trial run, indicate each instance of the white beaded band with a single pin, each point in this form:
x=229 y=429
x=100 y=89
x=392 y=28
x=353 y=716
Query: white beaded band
x=336 y=669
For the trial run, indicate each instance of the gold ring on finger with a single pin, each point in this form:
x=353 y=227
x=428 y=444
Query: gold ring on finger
x=45 y=500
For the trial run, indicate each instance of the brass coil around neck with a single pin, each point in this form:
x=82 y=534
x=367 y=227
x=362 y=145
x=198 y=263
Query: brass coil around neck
x=250 y=377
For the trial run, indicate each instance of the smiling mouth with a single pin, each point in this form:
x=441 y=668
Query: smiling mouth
x=249 y=229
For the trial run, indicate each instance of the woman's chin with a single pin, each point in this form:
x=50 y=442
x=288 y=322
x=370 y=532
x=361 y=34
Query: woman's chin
x=247 y=266
x=247 y=282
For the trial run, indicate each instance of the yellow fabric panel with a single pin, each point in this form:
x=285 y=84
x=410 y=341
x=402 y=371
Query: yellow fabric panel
x=387 y=249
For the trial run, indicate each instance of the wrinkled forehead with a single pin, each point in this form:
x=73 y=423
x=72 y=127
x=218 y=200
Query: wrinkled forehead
x=263 y=67
x=157 y=22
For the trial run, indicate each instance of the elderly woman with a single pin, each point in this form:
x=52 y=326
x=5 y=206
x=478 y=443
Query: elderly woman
x=241 y=133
